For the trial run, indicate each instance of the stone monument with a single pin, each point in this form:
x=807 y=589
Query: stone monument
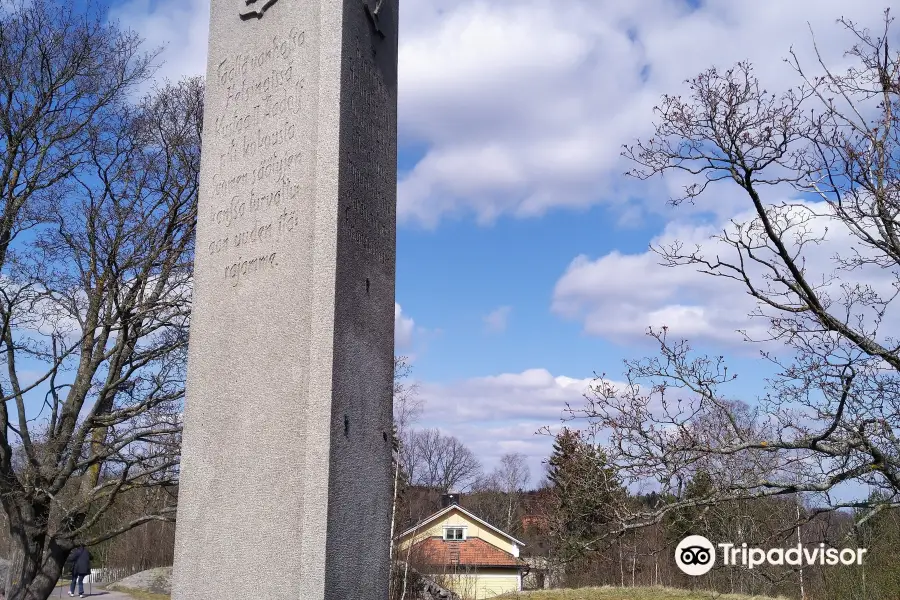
x=285 y=475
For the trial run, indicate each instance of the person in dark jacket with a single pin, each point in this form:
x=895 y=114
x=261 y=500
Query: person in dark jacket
x=81 y=567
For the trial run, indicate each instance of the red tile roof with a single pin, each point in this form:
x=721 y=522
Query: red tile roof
x=473 y=552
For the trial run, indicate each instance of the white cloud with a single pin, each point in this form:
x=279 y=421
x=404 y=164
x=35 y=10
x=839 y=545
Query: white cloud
x=617 y=296
x=404 y=326
x=499 y=414
x=523 y=105
x=497 y=320
x=181 y=27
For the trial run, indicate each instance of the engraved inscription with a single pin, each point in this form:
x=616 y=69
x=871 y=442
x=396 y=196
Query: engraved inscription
x=369 y=207
x=272 y=166
x=368 y=231
x=256 y=12
x=241 y=208
x=245 y=267
x=365 y=218
x=243 y=65
x=248 y=144
x=257 y=188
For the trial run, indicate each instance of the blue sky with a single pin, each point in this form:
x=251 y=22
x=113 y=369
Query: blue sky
x=522 y=249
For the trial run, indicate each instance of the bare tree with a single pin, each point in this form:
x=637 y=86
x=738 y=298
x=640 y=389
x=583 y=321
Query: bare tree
x=408 y=455
x=407 y=409
x=498 y=496
x=408 y=405
x=832 y=410
x=441 y=462
x=511 y=478
x=95 y=299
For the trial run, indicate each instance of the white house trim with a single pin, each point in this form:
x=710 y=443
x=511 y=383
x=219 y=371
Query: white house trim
x=465 y=531
x=446 y=510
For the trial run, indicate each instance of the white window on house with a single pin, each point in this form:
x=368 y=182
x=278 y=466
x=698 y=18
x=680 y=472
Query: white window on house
x=454 y=533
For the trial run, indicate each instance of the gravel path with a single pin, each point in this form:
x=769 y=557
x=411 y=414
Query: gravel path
x=97 y=593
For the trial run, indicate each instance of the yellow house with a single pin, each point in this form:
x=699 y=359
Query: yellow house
x=463 y=553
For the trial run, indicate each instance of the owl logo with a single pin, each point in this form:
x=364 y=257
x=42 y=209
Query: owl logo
x=695 y=555
x=255 y=9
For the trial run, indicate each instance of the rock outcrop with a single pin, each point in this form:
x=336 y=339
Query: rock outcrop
x=430 y=590
x=156 y=581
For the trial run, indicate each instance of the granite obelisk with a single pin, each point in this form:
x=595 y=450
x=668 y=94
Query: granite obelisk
x=285 y=474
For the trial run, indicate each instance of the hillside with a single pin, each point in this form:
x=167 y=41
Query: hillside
x=639 y=593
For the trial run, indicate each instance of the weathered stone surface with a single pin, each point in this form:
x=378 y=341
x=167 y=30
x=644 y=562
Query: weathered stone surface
x=285 y=483
x=155 y=581
x=430 y=590
x=419 y=586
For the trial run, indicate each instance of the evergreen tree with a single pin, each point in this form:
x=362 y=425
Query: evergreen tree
x=586 y=493
x=692 y=520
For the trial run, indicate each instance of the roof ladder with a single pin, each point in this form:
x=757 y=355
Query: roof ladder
x=454 y=553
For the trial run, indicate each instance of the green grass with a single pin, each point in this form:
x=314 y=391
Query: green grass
x=617 y=593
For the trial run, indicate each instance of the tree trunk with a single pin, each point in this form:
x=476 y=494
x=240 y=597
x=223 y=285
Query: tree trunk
x=633 y=565
x=36 y=562
x=93 y=474
x=621 y=565
x=34 y=573
x=393 y=521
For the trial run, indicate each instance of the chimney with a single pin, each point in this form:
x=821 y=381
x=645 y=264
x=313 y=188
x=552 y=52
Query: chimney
x=449 y=499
